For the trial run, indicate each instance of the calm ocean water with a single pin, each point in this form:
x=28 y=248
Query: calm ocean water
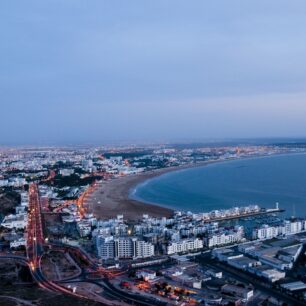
x=262 y=181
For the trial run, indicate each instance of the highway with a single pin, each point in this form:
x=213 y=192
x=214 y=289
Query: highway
x=114 y=293
x=36 y=242
x=35 y=250
x=35 y=237
x=128 y=297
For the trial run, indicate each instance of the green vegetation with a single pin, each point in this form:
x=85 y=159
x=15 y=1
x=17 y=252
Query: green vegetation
x=9 y=199
x=127 y=155
x=73 y=180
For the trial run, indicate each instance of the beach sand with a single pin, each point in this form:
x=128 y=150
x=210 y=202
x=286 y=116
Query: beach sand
x=111 y=198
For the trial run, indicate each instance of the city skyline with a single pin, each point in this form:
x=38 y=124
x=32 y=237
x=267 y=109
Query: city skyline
x=74 y=72
x=73 y=222
x=152 y=153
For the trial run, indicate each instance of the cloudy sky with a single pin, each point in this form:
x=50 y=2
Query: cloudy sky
x=104 y=71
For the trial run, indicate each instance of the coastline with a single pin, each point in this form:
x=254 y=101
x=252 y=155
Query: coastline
x=112 y=197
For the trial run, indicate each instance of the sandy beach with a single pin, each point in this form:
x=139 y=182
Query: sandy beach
x=112 y=197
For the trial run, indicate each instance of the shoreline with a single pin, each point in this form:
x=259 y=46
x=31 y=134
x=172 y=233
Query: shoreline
x=112 y=197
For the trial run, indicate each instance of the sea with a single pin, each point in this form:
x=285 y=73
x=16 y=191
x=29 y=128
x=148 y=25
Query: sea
x=264 y=181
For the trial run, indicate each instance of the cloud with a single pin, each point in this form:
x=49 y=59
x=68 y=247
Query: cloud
x=158 y=70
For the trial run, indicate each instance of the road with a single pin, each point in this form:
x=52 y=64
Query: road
x=116 y=294
x=35 y=238
x=36 y=242
x=35 y=250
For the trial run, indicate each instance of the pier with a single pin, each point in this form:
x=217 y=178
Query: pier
x=237 y=213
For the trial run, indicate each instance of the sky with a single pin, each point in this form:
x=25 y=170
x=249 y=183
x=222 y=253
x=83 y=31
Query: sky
x=74 y=72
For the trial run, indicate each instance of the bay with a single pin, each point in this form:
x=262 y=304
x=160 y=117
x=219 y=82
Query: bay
x=263 y=181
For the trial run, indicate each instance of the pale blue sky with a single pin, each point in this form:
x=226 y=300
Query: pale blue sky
x=102 y=71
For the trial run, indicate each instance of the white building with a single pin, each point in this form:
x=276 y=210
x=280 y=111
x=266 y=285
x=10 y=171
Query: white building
x=18 y=243
x=147 y=275
x=15 y=221
x=143 y=249
x=288 y=227
x=123 y=248
x=225 y=238
x=266 y=232
x=185 y=245
x=84 y=228
x=66 y=172
x=105 y=247
x=292 y=227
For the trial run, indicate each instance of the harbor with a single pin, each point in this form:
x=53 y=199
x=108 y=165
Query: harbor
x=238 y=213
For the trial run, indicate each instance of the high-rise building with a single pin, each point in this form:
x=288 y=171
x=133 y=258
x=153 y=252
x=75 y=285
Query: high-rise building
x=123 y=248
x=105 y=247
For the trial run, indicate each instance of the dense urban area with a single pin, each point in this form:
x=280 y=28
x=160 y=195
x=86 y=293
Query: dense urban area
x=56 y=248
